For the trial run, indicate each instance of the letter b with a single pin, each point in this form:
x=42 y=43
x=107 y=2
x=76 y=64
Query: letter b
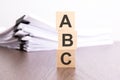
x=66 y=40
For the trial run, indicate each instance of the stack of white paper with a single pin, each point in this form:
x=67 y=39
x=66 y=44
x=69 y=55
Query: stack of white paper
x=36 y=35
x=29 y=34
x=94 y=37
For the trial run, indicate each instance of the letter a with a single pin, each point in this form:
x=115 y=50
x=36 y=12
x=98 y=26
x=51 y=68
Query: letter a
x=65 y=21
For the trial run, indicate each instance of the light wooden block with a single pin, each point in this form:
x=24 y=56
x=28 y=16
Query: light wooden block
x=68 y=59
x=60 y=39
x=59 y=17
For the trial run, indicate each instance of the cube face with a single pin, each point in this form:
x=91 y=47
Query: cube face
x=66 y=58
x=64 y=38
x=61 y=16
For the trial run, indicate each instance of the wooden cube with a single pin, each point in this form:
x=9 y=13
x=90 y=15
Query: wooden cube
x=65 y=58
x=66 y=38
x=65 y=17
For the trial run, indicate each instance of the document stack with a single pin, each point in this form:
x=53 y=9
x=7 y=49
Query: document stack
x=29 y=34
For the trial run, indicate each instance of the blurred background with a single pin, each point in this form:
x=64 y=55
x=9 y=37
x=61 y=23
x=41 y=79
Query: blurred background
x=89 y=13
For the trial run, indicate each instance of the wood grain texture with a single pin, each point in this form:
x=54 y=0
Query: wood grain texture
x=92 y=63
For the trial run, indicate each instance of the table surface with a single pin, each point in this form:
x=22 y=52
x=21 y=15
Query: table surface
x=92 y=63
